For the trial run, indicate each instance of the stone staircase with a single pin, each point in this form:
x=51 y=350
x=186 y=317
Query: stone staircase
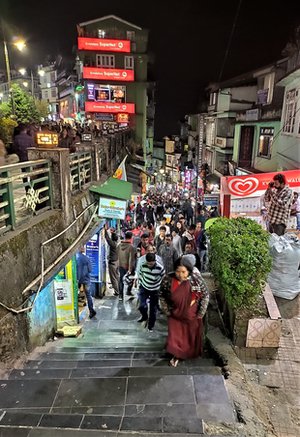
x=112 y=381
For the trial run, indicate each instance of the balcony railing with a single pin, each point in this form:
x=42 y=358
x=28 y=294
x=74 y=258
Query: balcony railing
x=80 y=170
x=25 y=190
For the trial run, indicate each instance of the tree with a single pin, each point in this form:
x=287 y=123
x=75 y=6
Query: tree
x=5 y=110
x=42 y=108
x=23 y=106
x=7 y=126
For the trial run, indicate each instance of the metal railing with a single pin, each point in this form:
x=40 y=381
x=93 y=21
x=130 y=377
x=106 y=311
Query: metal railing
x=80 y=170
x=25 y=190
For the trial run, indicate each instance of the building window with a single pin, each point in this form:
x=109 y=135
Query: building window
x=129 y=63
x=213 y=98
x=290 y=111
x=53 y=92
x=101 y=33
x=130 y=34
x=105 y=61
x=266 y=136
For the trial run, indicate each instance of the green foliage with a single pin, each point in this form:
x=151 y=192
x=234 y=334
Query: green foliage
x=5 y=110
x=240 y=259
x=23 y=105
x=7 y=126
x=42 y=108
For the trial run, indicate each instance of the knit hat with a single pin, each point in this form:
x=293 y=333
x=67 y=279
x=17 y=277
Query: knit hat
x=188 y=261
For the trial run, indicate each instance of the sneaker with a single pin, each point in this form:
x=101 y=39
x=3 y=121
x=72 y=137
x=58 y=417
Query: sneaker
x=142 y=319
x=129 y=293
x=150 y=329
x=115 y=293
x=120 y=297
x=92 y=314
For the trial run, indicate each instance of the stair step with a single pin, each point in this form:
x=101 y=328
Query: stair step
x=98 y=363
x=97 y=355
x=110 y=372
x=159 y=424
x=55 y=432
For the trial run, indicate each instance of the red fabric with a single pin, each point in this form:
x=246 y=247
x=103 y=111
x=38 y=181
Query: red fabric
x=184 y=327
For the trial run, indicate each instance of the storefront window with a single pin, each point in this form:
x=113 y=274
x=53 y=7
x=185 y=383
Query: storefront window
x=106 y=93
x=266 y=136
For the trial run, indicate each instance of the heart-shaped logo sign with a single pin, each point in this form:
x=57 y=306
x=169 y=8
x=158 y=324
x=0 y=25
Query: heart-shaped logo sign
x=243 y=187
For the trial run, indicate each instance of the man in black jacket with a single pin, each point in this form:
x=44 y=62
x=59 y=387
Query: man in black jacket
x=113 y=262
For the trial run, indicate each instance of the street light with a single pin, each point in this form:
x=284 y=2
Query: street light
x=25 y=84
x=20 y=44
x=22 y=71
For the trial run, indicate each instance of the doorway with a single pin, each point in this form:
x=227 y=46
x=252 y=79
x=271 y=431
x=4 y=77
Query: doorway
x=246 y=146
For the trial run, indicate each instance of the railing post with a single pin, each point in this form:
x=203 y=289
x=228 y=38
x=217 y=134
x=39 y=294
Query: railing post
x=61 y=183
x=9 y=197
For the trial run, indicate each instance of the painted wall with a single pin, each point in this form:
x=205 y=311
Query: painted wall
x=42 y=318
x=289 y=144
x=261 y=164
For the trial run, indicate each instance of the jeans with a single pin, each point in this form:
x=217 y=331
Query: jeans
x=277 y=229
x=122 y=272
x=89 y=298
x=203 y=260
x=298 y=221
x=143 y=307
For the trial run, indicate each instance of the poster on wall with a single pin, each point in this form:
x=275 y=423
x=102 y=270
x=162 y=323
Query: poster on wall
x=65 y=294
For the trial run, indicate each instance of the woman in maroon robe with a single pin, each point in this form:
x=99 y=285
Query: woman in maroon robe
x=184 y=297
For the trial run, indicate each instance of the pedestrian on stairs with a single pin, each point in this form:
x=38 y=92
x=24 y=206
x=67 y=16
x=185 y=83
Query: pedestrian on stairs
x=84 y=269
x=113 y=262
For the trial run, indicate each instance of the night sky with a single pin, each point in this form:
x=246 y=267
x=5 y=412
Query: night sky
x=187 y=37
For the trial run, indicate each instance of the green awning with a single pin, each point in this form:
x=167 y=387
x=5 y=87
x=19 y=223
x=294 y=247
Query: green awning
x=113 y=188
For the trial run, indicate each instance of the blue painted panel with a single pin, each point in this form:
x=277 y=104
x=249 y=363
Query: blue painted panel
x=42 y=318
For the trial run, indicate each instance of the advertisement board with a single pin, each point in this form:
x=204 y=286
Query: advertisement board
x=246 y=195
x=110 y=107
x=99 y=44
x=65 y=292
x=112 y=208
x=108 y=74
x=92 y=252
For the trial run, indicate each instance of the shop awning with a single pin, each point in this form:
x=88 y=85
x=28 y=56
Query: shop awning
x=113 y=188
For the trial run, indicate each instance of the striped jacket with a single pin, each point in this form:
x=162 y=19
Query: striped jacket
x=151 y=277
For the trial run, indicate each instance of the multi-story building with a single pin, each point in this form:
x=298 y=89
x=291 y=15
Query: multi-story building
x=49 y=91
x=114 y=60
x=68 y=96
x=28 y=81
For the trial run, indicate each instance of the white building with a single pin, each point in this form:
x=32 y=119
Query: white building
x=48 y=78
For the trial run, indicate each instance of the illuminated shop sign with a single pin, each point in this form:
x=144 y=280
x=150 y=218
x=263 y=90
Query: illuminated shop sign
x=128 y=108
x=122 y=118
x=108 y=45
x=108 y=74
x=106 y=93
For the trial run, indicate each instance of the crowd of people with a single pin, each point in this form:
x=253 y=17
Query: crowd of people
x=161 y=253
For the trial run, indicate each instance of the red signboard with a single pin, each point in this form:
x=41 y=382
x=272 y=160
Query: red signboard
x=107 y=45
x=128 y=108
x=252 y=184
x=108 y=74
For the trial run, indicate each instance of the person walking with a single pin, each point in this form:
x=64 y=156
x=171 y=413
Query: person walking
x=168 y=254
x=84 y=269
x=126 y=257
x=113 y=262
x=184 y=298
x=22 y=141
x=150 y=276
x=160 y=239
x=278 y=198
x=189 y=237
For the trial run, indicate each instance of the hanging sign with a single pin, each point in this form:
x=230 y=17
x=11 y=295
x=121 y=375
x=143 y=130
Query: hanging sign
x=110 y=107
x=112 y=208
x=108 y=74
x=108 y=45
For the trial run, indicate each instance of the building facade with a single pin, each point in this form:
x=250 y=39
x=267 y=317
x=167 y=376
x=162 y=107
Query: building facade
x=49 y=90
x=114 y=59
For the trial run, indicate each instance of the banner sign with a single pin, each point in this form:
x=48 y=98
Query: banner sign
x=92 y=252
x=112 y=208
x=255 y=184
x=108 y=74
x=101 y=44
x=110 y=107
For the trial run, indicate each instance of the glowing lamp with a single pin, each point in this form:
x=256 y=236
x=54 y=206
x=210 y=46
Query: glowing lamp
x=47 y=139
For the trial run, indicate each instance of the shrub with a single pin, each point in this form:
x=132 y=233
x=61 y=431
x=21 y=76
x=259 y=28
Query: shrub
x=240 y=259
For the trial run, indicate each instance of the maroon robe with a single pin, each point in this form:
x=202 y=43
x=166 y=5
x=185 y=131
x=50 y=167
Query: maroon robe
x=184 y=326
